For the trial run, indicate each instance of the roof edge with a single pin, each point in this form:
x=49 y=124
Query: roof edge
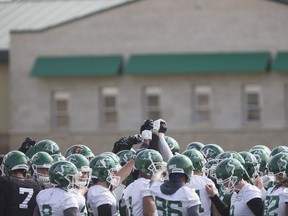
x=74 y=19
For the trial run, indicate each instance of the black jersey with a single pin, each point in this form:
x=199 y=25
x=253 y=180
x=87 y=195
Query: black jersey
x=18 y=196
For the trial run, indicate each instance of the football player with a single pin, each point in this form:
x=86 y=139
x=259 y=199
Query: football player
x=100 y=199
x=246 y=199
x=174 y=196
x=59 y=200
x=39 y=167
x=199 y=180
x=147 y=163
x=276 y=200
x=17 y=193
x=81 y=185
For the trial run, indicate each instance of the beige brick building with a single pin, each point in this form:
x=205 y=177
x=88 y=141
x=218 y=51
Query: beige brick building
x=209 y=68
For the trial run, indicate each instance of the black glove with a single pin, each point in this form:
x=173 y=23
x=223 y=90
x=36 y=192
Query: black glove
x=120 y=145
x=159 y=126
x=147 y=125
x=27 y=143
x=132 y=140
x=163 y=127
x=125 y=143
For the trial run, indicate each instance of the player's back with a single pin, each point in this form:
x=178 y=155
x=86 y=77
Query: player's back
x=18 y=196
x=53 y=201
x=198 y=183
x=174 y=200
x=133 y=196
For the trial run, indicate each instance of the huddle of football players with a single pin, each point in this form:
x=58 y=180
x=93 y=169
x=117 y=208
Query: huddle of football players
x=154 y=179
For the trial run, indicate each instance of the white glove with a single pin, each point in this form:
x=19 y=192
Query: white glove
x=146 y=135
x=157 y=126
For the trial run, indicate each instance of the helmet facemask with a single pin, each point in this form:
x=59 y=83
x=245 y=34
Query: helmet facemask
x=208 y=154
x=84 y=178
x=211 y=172
x=37 y=173
x=112 y=178
x=72 y=179
x=228 y=185
x=155 y=166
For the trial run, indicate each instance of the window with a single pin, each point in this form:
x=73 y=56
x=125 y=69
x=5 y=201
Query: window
x=109 y=104
x=202 y=103
x=252 y=103
x=60 y=110
x=152 y=102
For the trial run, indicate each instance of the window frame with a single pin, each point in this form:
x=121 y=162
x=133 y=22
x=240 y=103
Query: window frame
x=152 y=91
x=198 y=90
x=105 y=92
x=60 y=95
x=252 y=89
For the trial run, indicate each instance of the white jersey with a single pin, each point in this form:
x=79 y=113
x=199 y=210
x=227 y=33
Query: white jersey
x=53 y=201
x=177 y=203
x=198 y=183
x=133 y=196
x=81 y=201
x=98 y=195
x=118 y=191
x=275 y=201
x=239 y=200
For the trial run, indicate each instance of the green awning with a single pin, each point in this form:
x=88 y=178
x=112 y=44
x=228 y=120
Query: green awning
x=280 y=63
x=198 y=63
x=76 y=66
x=282 y=1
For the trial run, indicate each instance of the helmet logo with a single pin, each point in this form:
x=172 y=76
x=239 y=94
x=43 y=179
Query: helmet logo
x=64 y=167
x=36 y=157
x=102 y=163
x=77 y=150
x=258 y=155
x=73 y=160
x=48 y=147
x=282 y=164
x=125 y=158
x=230 y=168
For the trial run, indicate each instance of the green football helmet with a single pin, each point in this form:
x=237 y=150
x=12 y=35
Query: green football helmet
x=251 y=164
x=63 y=174
x=262 y=158
x=279 y=164
x=57 y=157
x=125 y=156
x=38 y=161
x=80 y=149
x=195 y=145
x=48 y=146
x=115 y=158
x=14 y=160
x=180 y=164
x=173 y=144
x=229 y=172
x=263 y=147
x=197 y=159
x=82 y=165
x=103 y=169
x=278 y=149
x=210 y=151
x=148 y=161
x=230 y=154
